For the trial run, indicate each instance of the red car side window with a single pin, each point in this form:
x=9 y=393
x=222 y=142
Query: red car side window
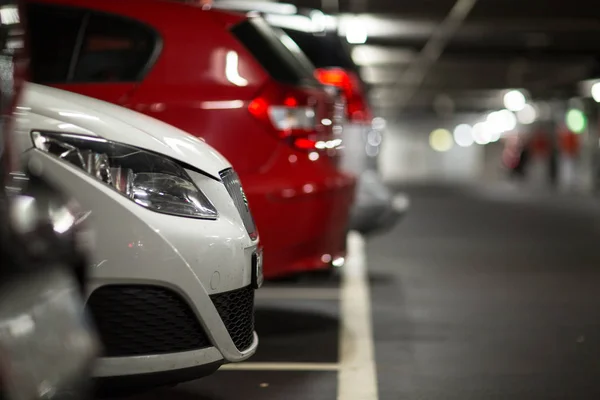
x=114 y=50
x=73 y=45
x=53 y=33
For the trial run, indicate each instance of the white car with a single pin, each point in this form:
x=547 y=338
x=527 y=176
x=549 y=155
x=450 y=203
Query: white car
x=176 y=258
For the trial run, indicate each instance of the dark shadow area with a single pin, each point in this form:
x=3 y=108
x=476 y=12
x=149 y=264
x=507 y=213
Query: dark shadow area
x=324 y=281
x=255 y=385
x=276 y=322
x=377 y=279
x=297 y=331
x=317 y=279
x=168 y=393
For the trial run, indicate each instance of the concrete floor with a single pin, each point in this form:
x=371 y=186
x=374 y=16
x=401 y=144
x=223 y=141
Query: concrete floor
x=486 y=293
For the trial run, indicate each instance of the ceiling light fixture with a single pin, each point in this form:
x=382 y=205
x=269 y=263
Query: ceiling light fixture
x=440 y=140
x=356 y=32
x=514 y=100
x=463 y=135
x=596 y=92
x=527 y=115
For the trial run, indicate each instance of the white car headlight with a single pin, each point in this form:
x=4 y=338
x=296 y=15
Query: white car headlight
x=151 y=180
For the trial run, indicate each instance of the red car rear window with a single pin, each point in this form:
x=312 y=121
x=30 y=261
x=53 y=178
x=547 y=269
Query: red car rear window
x=279 y=55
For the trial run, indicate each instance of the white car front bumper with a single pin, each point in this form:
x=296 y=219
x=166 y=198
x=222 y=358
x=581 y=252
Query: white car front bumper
x=204 y=263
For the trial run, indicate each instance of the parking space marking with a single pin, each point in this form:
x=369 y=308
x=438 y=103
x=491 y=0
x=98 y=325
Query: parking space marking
x=357 y=378
x=298 y=293
x=281 y=366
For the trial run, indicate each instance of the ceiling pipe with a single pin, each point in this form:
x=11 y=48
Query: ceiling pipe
x=330 y=6
x=358 y=6
x=416 y=72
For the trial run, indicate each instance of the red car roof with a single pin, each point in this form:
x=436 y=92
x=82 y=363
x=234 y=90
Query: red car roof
x=145 y=8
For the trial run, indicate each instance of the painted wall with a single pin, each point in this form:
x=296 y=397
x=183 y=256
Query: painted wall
x=407 y=156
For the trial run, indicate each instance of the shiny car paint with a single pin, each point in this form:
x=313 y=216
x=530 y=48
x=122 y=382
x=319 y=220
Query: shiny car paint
x=133 y=245
x=202 y=79
x=374 y=210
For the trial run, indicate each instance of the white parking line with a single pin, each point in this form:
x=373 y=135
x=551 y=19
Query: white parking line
x=281 y=366
x=357 y=376
x=357 y=379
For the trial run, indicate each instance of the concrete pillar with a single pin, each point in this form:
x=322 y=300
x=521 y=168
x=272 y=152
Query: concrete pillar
x=589 y=144
x=593 y=148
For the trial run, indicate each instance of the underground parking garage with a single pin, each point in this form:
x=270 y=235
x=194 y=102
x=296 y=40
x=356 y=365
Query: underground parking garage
x=388 y=200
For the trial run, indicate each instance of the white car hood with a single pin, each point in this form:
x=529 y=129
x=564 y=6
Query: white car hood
x=46 y=108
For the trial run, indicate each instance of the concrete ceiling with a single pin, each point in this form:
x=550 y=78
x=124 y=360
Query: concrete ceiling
x=543 y=46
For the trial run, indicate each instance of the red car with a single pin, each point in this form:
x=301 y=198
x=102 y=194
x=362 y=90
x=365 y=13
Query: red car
x=241 y=85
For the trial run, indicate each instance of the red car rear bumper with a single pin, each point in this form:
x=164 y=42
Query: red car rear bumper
x=302 y=218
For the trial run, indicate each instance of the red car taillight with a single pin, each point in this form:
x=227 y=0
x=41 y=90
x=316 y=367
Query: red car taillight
x=288 y=119
x=357 y=108
x=296 y=117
